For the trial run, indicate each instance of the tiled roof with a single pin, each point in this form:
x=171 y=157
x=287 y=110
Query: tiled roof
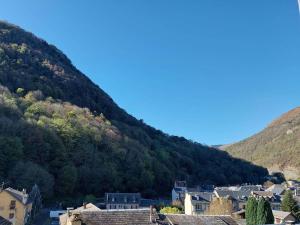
x=117 y=217
x=181 y=219
x=20 y=196
x=122 y=198
x=4 y=221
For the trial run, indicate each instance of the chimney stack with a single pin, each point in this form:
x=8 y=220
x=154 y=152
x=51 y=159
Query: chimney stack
x=69 y=213
x=152 y=220
x=25 y=196
x=84 y=205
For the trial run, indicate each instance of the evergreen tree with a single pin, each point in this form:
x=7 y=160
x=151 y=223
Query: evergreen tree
x=251 y=211
x=264 y=212
x=289 y=204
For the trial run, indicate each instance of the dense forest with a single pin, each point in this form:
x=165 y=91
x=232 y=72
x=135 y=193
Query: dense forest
x=61 y=131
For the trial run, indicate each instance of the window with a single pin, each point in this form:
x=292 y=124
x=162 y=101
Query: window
x=12 y=204
x=11 y=215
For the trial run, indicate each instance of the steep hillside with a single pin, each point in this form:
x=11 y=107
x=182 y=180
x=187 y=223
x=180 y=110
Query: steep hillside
x=276 y=147
x=59 y=129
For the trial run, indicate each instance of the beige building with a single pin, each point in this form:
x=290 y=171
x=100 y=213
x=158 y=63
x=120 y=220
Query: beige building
x=196 y=203
x=15 y=206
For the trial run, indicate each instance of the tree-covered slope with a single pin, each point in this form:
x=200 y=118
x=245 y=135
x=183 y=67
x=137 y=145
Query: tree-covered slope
x=59 y=129
x=276 y=147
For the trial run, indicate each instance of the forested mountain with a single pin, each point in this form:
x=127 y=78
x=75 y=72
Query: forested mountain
x=276 y=147
x=62 y=131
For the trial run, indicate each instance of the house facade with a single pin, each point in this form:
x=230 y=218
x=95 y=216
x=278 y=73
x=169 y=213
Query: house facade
x=122 y=200
x=15 y=206
x=196 y=203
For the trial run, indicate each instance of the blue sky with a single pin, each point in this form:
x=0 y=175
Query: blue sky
x=213 y=71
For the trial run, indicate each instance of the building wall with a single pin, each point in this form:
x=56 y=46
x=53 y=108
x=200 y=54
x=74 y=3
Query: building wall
x=188 y=206
x=19 y=212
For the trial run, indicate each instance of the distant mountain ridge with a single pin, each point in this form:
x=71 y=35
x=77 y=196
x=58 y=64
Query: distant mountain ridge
x=277 y=146
x=79 y=141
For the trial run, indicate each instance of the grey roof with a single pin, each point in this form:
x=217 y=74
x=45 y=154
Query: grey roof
x=20 y=196
x=4 y=221
x=202 y=196
x=117 y=217
x=181 y=219
x=240 y=193
x=122 y=198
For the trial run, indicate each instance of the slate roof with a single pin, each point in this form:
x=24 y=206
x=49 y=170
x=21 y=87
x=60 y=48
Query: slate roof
x=239 y=193
x=117 y=217
x=202 y=196
x=4 y=221
x=20 y=196
x=122 y=198
x=181 y=219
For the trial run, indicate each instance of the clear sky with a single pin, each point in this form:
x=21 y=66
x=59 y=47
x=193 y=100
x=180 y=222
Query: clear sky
x=214 y=71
